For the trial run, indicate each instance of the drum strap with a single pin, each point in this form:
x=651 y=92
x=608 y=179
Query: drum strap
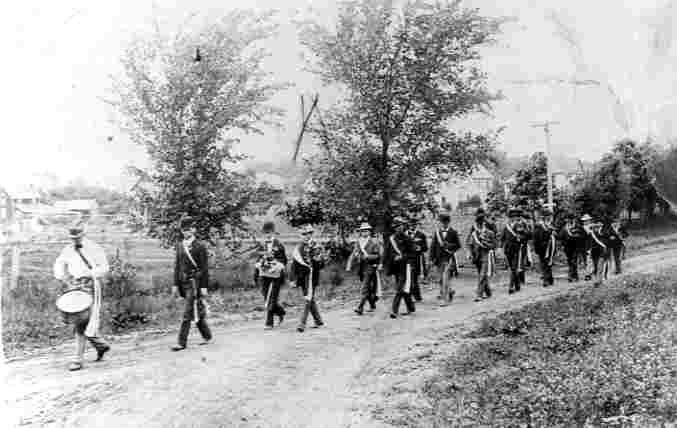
x=77 y=250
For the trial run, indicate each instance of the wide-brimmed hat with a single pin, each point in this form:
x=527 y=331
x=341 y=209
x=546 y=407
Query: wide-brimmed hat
x=515 y=212
x=444 y=218
x=586 y=217
x=307 y=230
x=76 y=231
x=268 y=227
x=364 y=226
x=186 y=223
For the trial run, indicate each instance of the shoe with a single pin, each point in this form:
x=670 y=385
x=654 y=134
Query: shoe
x=511 y=291
x=318 y=325
x=281 y=317
x=101 y=352
x=451 y=295
x=393 y=316
x=268 y=327
x=372 y=309
x=177 y=348
x=478 y=299
x=300 y=329
x=358 y=311
x=205 y=342
x=75 y=366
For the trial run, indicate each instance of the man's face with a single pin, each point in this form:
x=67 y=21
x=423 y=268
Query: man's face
x=268 y=236
x=77 y=241
x=188 y=233
x=307 y=236
x=365 y=233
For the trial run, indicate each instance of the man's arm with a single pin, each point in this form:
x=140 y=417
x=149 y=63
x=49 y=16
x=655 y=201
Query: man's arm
x=203 y=263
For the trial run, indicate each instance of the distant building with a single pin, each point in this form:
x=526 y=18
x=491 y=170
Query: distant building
x=81 y=206
x=478 y=184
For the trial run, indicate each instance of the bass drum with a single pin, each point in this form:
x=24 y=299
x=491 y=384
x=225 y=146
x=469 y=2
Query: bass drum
x=74 y=305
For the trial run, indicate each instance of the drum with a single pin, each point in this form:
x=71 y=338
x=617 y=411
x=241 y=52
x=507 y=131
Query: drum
x=74 y=305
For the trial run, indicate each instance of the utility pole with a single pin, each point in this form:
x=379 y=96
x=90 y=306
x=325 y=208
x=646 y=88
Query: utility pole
x=546 y=127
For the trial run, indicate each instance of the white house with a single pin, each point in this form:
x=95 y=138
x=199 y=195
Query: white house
x=478 y=183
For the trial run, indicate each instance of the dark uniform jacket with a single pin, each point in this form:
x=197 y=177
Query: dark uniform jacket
x=514 y=242
x=278 y=251
x=185 y=271
x=573 y=238
x=542 y=235
x=310 y=255
x=406 y=246
x=442 y=251
x=367 y=261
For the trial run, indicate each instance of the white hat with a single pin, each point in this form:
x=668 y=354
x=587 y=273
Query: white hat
x=586 y=217
x=365 y=226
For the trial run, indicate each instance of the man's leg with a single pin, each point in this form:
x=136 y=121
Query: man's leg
x=365 y=294
x=277 y=309
x=306 y=307
x=201 y=324
x=399 y=287
x=482 y=280
x=617 y=259
x=316 y=313
x=187 y=318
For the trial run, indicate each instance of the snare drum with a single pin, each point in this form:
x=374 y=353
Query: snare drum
x=74 y=305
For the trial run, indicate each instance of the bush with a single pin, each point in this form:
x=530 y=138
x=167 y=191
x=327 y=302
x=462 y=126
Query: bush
x=603 y=357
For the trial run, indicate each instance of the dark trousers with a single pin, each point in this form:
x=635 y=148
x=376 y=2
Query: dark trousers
x=546 y=270
x=310 y=307
x=418 y=270
x=617 y=252
x=516 y=276
x=482 y=265
x=191 y=297
x=447 y=269
x=400 y=294
x=272 y=286
x=601 y=262
x=79 y=327
x=572 y=263
x=368 y=289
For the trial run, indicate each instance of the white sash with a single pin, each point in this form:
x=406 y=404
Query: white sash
x=190 y=257
x=407 y=282
x=594 y=236
x=378 y=283
x=297 y=256
x=491 y=261
x=394 y=244
x=92 y=329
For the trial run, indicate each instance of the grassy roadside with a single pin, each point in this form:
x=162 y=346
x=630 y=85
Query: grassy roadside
x=602 y=357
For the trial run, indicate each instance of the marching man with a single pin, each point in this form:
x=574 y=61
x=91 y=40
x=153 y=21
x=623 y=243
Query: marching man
x=270 y=270
x=482 y=244
x=572 y=237
x=514 y=241
x=191 y=277
x=81 y=265
x=367 y=252
x=419 y=268
x=307 y=261
x=445 y=243
x=402 y=260
x=545 y=245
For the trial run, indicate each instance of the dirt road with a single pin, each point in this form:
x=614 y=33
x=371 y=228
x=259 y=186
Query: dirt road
x=334 y=376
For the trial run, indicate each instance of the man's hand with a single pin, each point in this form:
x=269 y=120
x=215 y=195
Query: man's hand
x=203 y=291
x=292 y=284
x=175 y=292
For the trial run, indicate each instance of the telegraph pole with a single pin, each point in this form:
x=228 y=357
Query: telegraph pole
x=546 y=127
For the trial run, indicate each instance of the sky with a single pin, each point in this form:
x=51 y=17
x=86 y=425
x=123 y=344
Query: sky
x=60 y=56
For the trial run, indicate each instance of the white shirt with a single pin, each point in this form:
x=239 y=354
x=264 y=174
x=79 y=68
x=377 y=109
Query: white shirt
x=69 y=261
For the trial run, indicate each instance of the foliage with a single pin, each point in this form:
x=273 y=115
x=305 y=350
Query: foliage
x=579 y=360
x=497 y=201
x=531 y=183
x=110 y=201
x=607 y=189
x=406 y=74
x=641 y=161
x=186 y=111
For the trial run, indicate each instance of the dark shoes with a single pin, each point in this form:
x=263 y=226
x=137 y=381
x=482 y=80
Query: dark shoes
x=358 y=311
x=177 y=348
x=75 y=366
x=300 y=329
x=281 y=317
x=393 y=316
x=101 y=351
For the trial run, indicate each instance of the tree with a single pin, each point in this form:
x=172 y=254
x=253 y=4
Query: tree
x=641 y=161
x=406 y=75
x=606 y=189
x=531 y=183
x=182 y=96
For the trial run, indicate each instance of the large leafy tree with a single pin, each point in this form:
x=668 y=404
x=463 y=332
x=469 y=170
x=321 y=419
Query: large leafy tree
x=607 y=189
x=406 y=73
x=531 y=184
x=182 y=96
x=641 y=160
